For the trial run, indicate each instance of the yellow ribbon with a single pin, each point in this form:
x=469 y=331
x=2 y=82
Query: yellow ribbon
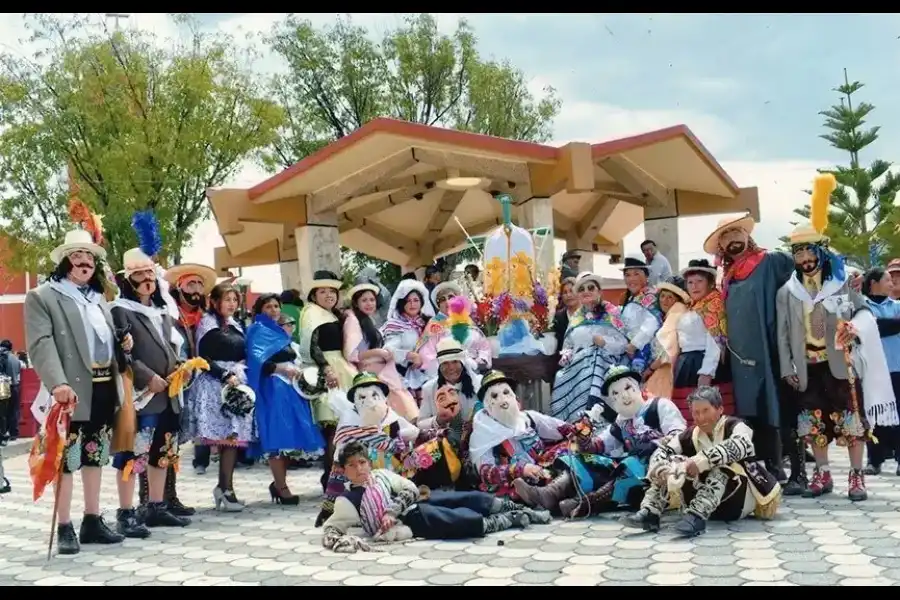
x=179 y=378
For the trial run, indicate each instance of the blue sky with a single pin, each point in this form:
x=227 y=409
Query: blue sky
x=749 y=86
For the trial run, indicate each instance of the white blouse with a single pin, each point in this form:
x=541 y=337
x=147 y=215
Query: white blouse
x=640 y=324
x=694 y=337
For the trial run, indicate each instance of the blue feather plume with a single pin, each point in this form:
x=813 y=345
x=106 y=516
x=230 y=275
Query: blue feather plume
x=147 y=229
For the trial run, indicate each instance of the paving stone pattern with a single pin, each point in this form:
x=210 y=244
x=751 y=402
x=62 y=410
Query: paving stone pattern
x=827 y=541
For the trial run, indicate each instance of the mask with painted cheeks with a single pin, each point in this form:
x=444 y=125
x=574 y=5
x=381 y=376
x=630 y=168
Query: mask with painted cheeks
x=143 y=282
x=371 y=404
x=625 y=397
x=83 y=266
x=502 y=405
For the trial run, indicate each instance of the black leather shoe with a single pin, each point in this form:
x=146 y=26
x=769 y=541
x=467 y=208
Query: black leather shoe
x=94 y=530
x=642 y=519
x=66 y=540
x=5 y=488
x=158 y=515
x=129 y=526
x=690 y=526
x=180 y=510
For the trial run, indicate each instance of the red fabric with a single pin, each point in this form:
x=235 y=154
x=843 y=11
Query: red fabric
x=47 y=450
x=742 y=268
x=680 y=395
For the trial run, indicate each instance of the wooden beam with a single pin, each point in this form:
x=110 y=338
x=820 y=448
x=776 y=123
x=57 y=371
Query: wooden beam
x=427 y=178
x=696 y=203
x=352 y=218
x=572 y=172
x=267 y=254
x=446 y=206
x=637 y=181
x=480 y=166
x=592 y=221
x=331 y=196
x=447 y=244
x=388 y=236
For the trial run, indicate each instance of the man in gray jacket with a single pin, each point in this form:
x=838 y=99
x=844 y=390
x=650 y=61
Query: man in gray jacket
x=142 y=310
x=71 y=340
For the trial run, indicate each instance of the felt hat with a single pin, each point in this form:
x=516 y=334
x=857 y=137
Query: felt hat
x=615 y=374
x=174 y=274
x=448 y=350
x=493 y=378
x=326 y=279
x=363 y=287
x=805 y=233
x=135 y=260
x=894 y=266
x=746 y=222
x=700 y=266
x=571 y=254
x=587 y=276
x=444 y=287
x=675 y=285
x=634 y=261
x=366 y=379
x=77 y=239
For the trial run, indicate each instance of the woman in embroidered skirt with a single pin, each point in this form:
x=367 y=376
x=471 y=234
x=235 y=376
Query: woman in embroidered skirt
x=284 y=420
x=403 y=331
x=220 y=340
x=594 y=342
x=673 y=301
x=364 y=348
x=702 y=347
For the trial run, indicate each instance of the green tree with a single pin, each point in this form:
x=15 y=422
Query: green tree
x=142 y=122
x=862 y=213
x=339 y=78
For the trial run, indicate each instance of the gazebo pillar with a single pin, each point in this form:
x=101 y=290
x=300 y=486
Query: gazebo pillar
x=537 y=213
x=318 y=248
x=665 y=233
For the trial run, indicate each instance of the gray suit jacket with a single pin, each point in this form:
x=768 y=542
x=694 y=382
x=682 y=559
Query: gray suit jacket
x=791 y=321
x=150 y=356
x=58 y=345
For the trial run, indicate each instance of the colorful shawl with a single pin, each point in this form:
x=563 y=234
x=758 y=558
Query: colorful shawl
x=611 y=316
x=649 y=299
x=742 y=267
x=375 y=503
x=711 y=309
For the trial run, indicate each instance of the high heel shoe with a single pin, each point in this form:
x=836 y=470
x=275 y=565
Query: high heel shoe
x=227 y=501
x=277 y=498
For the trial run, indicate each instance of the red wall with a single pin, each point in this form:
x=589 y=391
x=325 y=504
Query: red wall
x=12 y=318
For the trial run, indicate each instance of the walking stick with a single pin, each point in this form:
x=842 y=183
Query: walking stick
x=56 y=491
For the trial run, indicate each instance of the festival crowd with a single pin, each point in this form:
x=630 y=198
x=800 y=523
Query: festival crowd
x=688 y=394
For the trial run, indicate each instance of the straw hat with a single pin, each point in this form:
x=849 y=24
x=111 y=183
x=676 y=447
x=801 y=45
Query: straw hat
x=587 y=276
x=326 y=279
x=746 y=222
x=894 y=266
x=448 y=350
x=77 y=239
x=208 y=275
x=442 y=288
x=675 y=285
x=135 y=260
x=363 y=287
x=806 y=234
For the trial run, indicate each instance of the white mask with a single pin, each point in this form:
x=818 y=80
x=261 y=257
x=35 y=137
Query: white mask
x=501 y=403
x=371 y=404
x=625 y=397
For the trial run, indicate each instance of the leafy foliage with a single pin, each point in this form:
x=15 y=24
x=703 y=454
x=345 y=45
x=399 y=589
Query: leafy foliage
x=142 y=124
x=339 y=79
x=862 y=213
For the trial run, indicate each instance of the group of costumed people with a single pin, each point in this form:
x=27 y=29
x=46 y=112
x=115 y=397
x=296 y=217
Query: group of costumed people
x=669 y=400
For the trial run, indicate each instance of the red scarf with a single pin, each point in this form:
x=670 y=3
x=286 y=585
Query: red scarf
x=742 y=267
x=190 y=315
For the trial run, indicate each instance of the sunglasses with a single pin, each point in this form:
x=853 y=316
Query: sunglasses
x=289 y=324
x=590 y=287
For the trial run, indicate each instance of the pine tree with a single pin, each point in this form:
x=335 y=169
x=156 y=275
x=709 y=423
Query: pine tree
x=863 y=219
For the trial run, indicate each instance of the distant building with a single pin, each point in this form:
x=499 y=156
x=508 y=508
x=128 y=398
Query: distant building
x=13 y=287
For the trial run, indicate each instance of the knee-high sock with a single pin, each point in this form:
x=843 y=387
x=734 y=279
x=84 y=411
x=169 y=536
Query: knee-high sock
x=709 y=494
x=656 y=499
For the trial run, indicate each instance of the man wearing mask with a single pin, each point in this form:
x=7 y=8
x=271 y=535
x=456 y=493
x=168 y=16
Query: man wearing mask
x=72 y=342
x=11 y=367
x=189 y=285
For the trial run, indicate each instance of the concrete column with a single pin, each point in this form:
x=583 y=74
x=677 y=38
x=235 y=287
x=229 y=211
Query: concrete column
x=535 y=214
x=290 y=276
x=318 y=248
x=665 y=233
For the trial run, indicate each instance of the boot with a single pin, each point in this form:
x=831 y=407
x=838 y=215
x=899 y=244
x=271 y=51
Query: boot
x=171 y=497
x=642 y=519
x=66 y=540
x=504 y=521
x=547 y=497
x=535 y=517
x=128 y=525
x=690 y=526
x=821 y=484
x=857 y=486
x=5 y=487
x=591 y=504
x=95 y=531
x=797 y=482
x=158 y=515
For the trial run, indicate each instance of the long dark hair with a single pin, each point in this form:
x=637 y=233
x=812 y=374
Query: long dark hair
x=129 y=293
x=217 y=295
x=824 y=262
x=95 y=283
x=873 y=275
x=262 y=300
x=311 y=296
x=465 y=380
x=401 y=303
x=370 y=332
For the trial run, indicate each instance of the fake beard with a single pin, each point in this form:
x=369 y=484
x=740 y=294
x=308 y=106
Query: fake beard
x=143 y=288
x=371 y=406
x=735 y=248
x=809 y=266
x=503 y=406
x=192 y=300
x=83 y=271
x=625 y=397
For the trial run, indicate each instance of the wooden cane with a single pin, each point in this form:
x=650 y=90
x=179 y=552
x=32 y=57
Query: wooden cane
x=56 y=491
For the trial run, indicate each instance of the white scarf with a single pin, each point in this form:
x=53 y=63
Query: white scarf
x=92 y=317
x=155 y=314
x=870 y=362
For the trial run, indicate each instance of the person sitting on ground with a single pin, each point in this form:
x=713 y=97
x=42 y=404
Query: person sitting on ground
x=713 y=467
x=390 y=508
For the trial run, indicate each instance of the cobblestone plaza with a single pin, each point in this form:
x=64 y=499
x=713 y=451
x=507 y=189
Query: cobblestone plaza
x=826 y=541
